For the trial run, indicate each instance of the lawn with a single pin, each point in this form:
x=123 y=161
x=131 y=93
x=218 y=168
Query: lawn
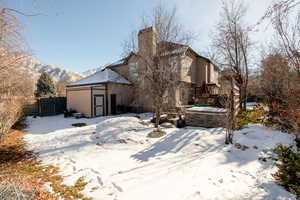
x=119 y=162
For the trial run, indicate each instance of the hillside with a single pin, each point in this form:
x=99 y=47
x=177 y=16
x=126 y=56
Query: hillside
x=91 y=71
x=35 y=67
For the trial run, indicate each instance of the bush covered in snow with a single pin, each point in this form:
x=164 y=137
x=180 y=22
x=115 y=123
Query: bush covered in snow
x=289 y=169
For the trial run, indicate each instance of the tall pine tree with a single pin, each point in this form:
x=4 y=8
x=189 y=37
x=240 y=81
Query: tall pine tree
x=45 y=86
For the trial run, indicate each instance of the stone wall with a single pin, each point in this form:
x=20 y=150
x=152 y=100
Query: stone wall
x=205 y=119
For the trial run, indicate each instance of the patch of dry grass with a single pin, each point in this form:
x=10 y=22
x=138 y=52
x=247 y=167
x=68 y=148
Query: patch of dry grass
x=21 y=166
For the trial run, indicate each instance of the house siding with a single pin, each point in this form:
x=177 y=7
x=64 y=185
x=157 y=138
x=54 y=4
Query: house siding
x=80 y=100
x=123 y=93
x=187 y=69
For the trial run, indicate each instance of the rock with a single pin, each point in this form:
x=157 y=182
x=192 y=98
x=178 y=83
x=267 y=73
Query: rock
x=262 y=159
x=163 y=119
x=99 y=143
x=122 y=141
x=238 y=145
x=156 y=134
x=241 y=147
x=167 y=125
x=144 y=123
x=244 y=147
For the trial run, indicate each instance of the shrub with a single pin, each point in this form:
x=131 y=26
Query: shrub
x=250 y=116
x=289 y=169
x=79 y=124
x=297 y=140
x=13 y=191
x=45 y=85
x=10 y=113
x=156 y=134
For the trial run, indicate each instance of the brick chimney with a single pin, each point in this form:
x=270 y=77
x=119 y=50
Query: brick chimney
x=147 y=41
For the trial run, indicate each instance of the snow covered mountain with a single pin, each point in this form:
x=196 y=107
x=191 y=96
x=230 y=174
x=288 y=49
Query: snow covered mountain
x=35 y=67
x=92 y=71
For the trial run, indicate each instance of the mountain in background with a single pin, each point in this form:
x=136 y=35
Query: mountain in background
x=92 y=71
x=35 y=67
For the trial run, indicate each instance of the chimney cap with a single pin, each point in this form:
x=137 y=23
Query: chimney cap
x=148 y=29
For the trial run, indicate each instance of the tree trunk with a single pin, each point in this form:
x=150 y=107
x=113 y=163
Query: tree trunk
x=241 y=97
x=157 y=119
x=245 y=99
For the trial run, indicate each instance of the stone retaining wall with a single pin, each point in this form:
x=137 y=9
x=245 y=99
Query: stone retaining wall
x=205 y=119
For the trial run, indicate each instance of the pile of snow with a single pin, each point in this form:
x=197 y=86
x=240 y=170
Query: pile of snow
x=207 y=109
x=116 y=158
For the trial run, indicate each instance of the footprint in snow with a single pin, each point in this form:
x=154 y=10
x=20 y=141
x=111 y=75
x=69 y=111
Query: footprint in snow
x=117 y=187
x=99 y=180
x=94 y=171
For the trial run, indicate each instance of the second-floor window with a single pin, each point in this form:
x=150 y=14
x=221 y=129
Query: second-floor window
x=133 y=69
x=173 y=63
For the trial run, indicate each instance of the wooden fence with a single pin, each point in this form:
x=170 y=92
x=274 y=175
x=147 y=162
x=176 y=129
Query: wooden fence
x=46 y=106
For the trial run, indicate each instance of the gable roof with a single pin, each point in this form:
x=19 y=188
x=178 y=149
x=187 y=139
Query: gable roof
x=103 y=76
x=175 y=49
x=123 y=61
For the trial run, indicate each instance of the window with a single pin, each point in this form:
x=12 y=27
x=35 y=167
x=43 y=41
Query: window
x=133 y=69
x=173 y=63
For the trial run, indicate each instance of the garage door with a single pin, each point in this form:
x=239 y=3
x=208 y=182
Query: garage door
x=98 y=105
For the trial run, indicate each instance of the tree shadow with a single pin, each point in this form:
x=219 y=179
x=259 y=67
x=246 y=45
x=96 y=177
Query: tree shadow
x=175 y=142
x=14 y=154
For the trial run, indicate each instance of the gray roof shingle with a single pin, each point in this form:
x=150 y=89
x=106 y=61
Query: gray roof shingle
x=103 y=76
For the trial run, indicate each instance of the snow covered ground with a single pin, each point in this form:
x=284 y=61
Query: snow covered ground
x=121 y=163
x=208 y=109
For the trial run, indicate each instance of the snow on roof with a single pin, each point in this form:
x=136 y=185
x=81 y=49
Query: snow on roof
x=103 y=76
x=119 y=62
x=175 y=51
x=209 y=109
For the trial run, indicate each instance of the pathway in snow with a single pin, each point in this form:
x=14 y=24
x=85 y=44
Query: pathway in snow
x=186 y=164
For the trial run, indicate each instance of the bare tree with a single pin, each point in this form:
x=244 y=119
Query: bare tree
x=284 y=16
x=158 y=73
x=61 y=88
x=285 y=19
x=15 y=87
x=233 y=45
x=275 y=77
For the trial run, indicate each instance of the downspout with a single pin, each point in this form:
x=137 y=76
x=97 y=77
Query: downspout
x=92 y=113
x=106 y=99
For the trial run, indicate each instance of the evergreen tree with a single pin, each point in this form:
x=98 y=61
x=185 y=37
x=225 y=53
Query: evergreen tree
x=45 y=85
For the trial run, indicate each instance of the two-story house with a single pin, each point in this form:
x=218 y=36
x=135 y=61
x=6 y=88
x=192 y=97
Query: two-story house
x=100 y=93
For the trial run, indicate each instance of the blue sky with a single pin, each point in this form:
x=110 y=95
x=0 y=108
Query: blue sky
x=84 y=34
